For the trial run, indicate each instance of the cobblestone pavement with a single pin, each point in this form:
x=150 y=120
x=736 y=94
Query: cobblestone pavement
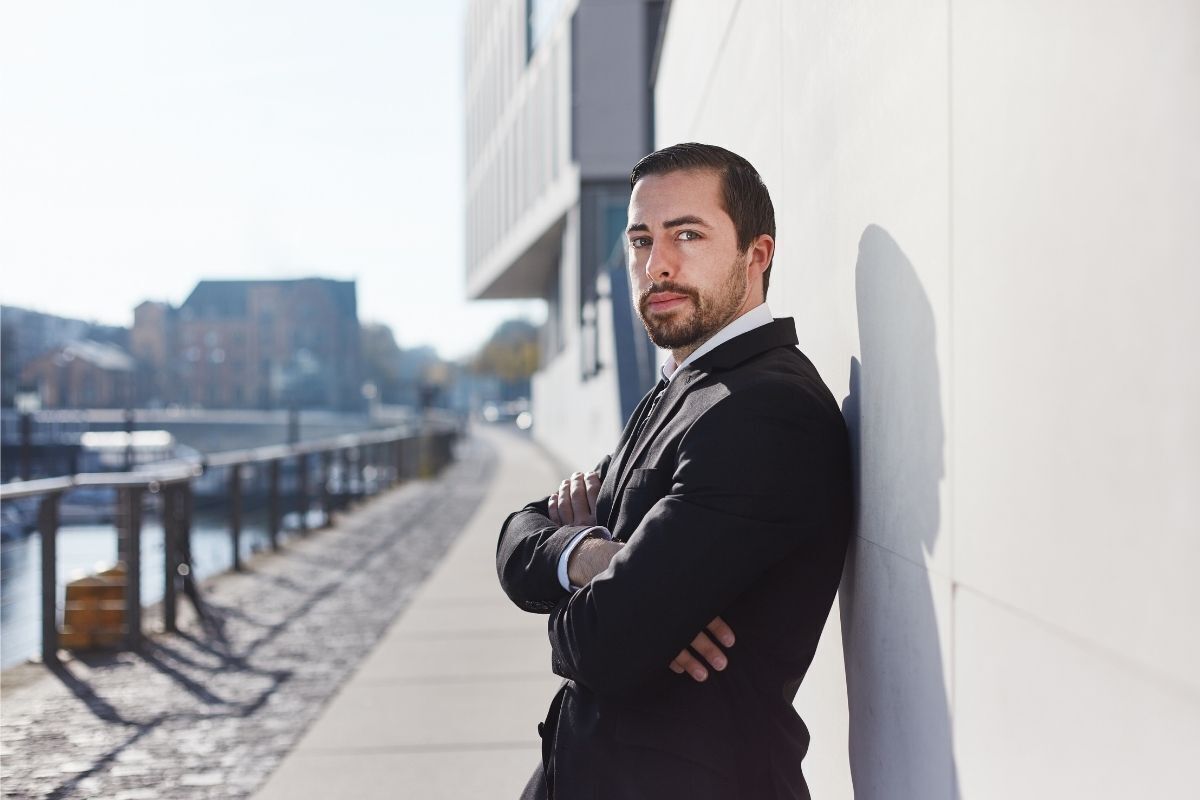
x=210 y=712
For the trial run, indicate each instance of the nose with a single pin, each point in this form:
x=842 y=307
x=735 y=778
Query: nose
x=662 y=263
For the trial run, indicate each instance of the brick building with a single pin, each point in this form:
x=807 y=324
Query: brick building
x=26 y=335
x=253 y=344
x=82 y=374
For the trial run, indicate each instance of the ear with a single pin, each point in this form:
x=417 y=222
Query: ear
x=761 y=251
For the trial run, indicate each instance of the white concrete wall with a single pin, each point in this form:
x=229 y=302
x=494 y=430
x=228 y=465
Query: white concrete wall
x=986 y=214
x=576 y=419
x=576 y=422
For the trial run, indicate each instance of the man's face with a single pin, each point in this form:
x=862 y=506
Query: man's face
x=687 y=277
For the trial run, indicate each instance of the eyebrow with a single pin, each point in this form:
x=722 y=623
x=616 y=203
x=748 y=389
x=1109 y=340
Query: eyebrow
x=687 y=219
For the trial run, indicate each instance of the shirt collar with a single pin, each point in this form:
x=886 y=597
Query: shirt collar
x=754 y=318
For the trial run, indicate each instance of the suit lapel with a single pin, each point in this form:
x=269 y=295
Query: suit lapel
x=634 y=447
x=779 y=333
x=605 y=499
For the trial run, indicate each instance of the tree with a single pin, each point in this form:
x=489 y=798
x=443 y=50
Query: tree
x=381 y=360
x=511 y=355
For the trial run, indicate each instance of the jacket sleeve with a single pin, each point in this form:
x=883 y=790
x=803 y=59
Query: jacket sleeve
x=752 y=483
x=527 y=555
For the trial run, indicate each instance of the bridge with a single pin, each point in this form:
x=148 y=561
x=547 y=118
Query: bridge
x=53 y=437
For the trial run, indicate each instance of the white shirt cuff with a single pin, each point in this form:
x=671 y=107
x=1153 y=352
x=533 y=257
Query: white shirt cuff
x=563 y=580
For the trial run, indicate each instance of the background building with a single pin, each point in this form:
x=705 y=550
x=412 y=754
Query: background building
x=26 y=335
x=82 y=374
x=985 y=217
x=558 y=109
x=253 y=344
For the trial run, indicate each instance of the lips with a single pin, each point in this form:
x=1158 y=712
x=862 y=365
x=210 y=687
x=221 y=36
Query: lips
x=665 y=301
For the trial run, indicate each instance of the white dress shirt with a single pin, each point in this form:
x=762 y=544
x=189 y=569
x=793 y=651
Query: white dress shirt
x=754 y=318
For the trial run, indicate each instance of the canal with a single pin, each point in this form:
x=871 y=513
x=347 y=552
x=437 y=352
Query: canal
x=87 y=549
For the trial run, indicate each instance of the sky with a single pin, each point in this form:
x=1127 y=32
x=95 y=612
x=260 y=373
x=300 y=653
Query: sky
x=145 y=146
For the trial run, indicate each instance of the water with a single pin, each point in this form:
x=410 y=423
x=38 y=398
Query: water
x=86 y=549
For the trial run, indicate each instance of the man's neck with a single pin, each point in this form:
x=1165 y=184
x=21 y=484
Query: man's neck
x=760 y=317
x=680 y=355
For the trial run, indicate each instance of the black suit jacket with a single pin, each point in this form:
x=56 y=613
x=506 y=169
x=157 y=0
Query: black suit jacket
x=735 y=501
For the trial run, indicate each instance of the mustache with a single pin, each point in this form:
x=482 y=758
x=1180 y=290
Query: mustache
x=666 y=286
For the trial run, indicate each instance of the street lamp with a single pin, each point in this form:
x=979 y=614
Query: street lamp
x=27 y=404
x=370 y=393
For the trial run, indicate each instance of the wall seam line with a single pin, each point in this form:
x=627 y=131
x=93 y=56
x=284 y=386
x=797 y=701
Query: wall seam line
x=1110 y=655
x=951 y=397
x=712 y=73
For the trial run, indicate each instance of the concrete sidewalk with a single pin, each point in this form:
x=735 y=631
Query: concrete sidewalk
x=447 y=704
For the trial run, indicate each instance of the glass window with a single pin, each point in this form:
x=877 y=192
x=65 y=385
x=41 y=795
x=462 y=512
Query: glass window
x=539 y=18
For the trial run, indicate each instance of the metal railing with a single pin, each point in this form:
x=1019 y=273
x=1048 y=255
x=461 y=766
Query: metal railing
x=389 y=456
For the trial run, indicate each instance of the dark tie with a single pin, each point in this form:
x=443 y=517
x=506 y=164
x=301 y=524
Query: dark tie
x=658 y=395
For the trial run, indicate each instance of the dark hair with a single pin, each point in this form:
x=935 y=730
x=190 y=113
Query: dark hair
x=743 y=193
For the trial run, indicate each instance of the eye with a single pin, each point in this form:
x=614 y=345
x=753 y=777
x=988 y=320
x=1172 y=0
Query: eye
x=688 y=236
x=639 y=241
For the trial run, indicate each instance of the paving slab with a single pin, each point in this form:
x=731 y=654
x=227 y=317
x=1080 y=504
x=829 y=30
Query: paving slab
x=487 y=772
x=458 y=656
x=447 y=703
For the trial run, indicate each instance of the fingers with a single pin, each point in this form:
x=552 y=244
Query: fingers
x=720 y=629
x=713 y=658
x=580 y=508
x=560 y=501
x=697 y=669
x=686 y=662
x=592 y=481
x=709 y=651
x=574 y=503
x=712 y=655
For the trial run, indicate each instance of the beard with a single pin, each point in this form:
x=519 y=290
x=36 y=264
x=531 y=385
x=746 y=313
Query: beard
x=691 y=326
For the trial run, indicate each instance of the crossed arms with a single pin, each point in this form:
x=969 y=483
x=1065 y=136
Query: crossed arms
x=574 y=503
x=745 y=489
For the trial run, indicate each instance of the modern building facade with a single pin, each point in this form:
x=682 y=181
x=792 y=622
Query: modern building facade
x=558 y=109
x=987 y=215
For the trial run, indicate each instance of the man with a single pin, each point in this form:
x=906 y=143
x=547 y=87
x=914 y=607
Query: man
x=688 y=578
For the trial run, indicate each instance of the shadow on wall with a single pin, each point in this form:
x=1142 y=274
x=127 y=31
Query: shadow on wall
x=900 y=728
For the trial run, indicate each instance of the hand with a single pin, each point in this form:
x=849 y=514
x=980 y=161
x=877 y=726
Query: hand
x=575 y=501
x=702 y=644
x=589 y=558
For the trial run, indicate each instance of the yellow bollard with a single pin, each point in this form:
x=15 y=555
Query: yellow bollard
x=94 y=612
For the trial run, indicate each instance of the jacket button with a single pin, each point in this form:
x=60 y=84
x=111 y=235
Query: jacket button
x=542 y=729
